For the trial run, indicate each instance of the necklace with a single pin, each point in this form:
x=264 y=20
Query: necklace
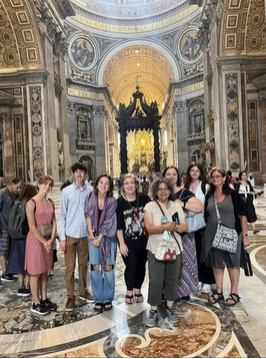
x=137 y=199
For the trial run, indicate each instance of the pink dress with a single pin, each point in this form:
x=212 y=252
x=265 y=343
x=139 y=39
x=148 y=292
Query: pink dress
x=37 y=260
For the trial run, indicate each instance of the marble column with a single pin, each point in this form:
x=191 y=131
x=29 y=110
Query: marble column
x=156 y=145
x=8 y=146
x=262 y=116
x=37 y=132
x=181 y=118
x=100 y=139
x=123 y=147
x=72 y=128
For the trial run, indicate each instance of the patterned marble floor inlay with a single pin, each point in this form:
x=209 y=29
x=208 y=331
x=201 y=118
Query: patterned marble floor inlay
x=203 y=330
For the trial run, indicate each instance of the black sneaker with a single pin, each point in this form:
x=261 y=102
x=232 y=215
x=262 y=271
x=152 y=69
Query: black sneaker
x=7 y=277
x=185 y=299
x=24 y=292
x=39 y=309
x=48 y=304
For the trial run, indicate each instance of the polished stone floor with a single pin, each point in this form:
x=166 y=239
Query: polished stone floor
x=203 y=329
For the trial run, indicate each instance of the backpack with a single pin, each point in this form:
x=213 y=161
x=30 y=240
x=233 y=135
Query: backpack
x=17 y=222
x=18 y=227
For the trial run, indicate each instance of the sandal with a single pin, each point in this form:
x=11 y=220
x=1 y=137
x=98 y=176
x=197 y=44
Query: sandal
x=98 y=307
x=234 y=298
x=215 y=297
x=129 y=299
x=139 y=298
x=108 y=306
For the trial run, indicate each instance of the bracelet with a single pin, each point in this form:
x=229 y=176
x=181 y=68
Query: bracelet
x=245 y=235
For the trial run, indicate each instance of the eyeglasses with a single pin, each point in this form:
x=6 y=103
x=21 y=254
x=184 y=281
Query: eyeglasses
x=213 y=177
x=128 y=183
x=163 y=189
x=195 y=171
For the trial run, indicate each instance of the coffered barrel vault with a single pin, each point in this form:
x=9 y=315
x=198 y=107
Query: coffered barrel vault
x=202 y=61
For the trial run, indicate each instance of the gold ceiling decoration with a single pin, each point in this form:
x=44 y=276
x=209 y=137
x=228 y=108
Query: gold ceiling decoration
x=138 y=64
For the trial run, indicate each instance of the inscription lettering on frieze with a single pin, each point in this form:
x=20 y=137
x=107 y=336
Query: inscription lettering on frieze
x=86 y=94
x=190 y=88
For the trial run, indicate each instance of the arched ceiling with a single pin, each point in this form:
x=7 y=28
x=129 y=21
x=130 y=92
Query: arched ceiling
x=142 y=65
x=135 y=19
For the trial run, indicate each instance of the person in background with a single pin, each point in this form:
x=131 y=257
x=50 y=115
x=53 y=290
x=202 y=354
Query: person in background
x=247 y=193
x=40 y=212
x=163 y=273
x=188 y=283
x=232 y=214
x=16 y=261
x=7 y=197
x=132 y=241
x=197 y=182
x=232 y=179
x=251 y=180
x=144 y=186
x=2 y=182
x=72 y=231
x=100 y=213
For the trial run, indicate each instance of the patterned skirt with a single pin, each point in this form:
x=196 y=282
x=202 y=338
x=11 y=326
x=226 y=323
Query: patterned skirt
x=188 y=283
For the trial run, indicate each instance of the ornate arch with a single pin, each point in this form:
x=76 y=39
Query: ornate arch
x=18 y=35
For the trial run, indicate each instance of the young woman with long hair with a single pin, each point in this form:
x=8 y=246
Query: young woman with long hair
x=197 y=183
x=100 y=212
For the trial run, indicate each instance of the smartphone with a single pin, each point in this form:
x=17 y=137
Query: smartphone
x=175 y=218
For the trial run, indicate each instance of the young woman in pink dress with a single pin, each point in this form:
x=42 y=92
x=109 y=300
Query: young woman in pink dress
x=39 y=247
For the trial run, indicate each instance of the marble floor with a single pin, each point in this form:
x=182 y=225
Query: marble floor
x=203 y=330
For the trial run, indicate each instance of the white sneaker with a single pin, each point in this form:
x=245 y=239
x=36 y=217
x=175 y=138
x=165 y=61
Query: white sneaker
x=200 y=286
x=206 y=288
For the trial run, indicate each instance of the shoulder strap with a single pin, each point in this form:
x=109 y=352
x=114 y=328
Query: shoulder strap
x=34 y=205
x=160 y=207
x=179 y=197
x=217 y=210
x=171 y=232
x=203 y=187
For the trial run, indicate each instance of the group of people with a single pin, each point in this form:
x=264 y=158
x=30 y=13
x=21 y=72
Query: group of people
x=91 y=222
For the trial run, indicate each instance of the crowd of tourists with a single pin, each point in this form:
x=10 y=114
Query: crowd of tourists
x=171 y=222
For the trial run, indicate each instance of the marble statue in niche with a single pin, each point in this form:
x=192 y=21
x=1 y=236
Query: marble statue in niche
x=84 y=124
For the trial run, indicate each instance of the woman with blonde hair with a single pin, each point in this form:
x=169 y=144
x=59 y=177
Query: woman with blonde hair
x=131 y=237
x=39 y=244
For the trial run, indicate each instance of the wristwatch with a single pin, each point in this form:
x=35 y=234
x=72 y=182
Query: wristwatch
x=184 y=205
x=244 y=234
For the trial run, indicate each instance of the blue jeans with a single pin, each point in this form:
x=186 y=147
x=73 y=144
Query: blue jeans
x=102 y=282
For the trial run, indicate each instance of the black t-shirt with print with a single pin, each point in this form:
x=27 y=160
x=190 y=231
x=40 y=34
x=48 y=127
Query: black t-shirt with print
x=130 y=220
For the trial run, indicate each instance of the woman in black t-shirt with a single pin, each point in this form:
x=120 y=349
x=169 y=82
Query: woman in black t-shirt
x=131 y=236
